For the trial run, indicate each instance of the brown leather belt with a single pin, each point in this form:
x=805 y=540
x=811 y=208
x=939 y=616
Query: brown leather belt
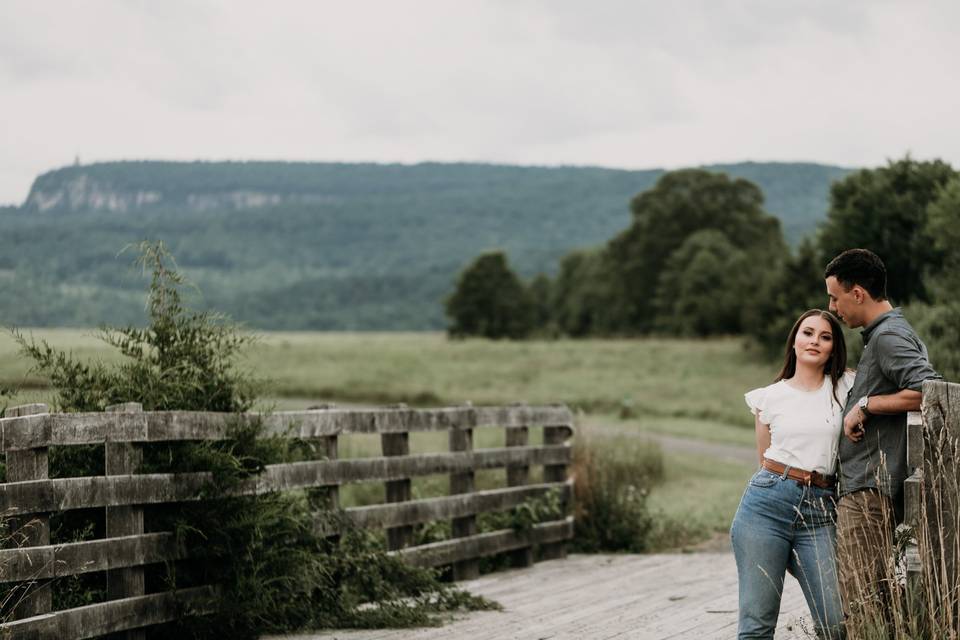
x=801 y=476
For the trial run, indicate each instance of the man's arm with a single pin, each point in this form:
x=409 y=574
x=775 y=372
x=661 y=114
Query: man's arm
x=899 y=402
x=902 y=361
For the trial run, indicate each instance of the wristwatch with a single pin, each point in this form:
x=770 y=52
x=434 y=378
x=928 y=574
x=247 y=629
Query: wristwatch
x=862 y=403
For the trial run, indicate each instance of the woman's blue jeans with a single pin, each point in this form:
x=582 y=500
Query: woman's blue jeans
x=783 y=526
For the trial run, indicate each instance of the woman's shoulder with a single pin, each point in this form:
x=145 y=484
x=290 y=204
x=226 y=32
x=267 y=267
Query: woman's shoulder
x=846 y=381
x=763 y=400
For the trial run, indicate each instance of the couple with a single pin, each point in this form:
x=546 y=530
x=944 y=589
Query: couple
x=819 y=422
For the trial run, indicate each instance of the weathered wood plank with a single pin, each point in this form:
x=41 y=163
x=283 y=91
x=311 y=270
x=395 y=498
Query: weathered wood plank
x=941 y=416
x=430 y=509
x=18 y=433
x=50 y=561
x=55 y=561
x=589 y=600
x=486 y=544
x=464 y=526
x=109 y=491
x=111 y=617
x=124 y=458
x=557 y=472
x=914 y=439
x=30 y=465
x=397 y=445
x=518 y=475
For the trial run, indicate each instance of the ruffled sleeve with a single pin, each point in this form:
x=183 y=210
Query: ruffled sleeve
x=758 y=401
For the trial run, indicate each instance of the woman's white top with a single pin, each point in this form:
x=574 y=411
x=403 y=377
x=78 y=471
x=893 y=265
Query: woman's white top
x=805 y=426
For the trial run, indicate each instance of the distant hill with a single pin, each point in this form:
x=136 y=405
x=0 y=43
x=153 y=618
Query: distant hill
x=323 y=245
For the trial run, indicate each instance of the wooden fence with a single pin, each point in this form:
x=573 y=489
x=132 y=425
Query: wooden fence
x=29 y=497
x=933 y=489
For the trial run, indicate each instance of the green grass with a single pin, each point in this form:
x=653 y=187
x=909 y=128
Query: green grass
x=698 y=497
x=695 y=379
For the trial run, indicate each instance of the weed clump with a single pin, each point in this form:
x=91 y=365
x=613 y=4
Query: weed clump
x=613 y=477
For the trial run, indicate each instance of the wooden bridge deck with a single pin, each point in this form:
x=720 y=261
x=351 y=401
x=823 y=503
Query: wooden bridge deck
x=595 y=597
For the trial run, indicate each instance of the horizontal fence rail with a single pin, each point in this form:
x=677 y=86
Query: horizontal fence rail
x=29 y=497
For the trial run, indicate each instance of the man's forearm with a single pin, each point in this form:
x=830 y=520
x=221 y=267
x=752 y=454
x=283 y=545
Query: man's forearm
x=899 y=402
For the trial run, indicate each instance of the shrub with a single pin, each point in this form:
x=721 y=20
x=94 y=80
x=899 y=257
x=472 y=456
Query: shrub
x=612 y=479
x=281 y=574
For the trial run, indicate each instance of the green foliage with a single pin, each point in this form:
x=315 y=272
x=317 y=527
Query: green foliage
x=348 y=246
x=582 y=298
x=943 y=227
x=679 y=205
x=698 y=245
x=613 y=479
x=283 y=575
x=702 y=285
x=939 y=323
x=183 y=359
x=490 y=301
x=782 y=296
x=274 y=570
x=541 y=295
x=885 y=210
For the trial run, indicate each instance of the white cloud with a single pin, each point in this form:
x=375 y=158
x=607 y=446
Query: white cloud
x=616 y=83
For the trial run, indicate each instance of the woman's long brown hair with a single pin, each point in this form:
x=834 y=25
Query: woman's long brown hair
x=835 y=365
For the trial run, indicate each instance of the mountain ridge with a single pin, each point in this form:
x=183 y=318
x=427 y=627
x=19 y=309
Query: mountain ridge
x=326 y=245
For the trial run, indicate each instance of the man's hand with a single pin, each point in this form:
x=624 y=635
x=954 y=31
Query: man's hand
x=853 y=425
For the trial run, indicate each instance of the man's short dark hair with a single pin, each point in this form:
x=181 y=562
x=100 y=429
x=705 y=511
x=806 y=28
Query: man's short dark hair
x=859 y=267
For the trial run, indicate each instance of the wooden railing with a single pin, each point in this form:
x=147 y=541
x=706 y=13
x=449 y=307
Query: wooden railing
x=29 y=496
x=933 y=489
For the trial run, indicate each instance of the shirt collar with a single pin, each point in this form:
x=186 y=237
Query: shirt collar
x=883 y=317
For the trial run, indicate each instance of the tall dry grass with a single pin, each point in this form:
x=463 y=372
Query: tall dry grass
x=918 y=595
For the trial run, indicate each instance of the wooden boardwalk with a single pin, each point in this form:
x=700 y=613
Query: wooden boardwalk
x=596 y=597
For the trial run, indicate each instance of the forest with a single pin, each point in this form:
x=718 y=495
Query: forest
x=331 y=246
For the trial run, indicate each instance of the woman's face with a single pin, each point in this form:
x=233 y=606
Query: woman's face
x=814 y=342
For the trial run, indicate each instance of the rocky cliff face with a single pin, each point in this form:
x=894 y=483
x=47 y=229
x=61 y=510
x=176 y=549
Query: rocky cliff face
x=83 y=193
x=74 y=189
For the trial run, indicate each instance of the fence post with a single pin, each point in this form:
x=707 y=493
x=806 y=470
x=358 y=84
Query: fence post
x=555 y=435
x=519 y=475
x=124 y=458
x=462 y=440
x=30 y=531
x=941 y=481
x=397 y=444
x=326 y=496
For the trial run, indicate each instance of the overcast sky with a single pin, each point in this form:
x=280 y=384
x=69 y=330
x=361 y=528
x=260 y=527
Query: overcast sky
x=633 y=84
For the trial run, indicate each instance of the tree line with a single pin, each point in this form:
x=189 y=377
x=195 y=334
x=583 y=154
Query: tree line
x=702 y=257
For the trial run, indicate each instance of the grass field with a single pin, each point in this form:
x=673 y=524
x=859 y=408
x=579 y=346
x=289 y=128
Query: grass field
x=696 y=379
x=686 y=388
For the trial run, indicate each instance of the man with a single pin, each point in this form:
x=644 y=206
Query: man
x=872 y=455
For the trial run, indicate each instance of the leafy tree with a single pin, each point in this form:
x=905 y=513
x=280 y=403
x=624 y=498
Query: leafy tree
x=785 y=293
x=490 y=301
x=541 y=294
x=680 y=204
x=582 y=297
x=939 y=323
x=885 y=210
x=702 y=285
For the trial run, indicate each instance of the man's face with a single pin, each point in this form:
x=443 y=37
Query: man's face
x=844 y=303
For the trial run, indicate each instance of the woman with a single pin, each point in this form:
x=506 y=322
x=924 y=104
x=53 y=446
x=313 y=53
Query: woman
x=785 y=521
